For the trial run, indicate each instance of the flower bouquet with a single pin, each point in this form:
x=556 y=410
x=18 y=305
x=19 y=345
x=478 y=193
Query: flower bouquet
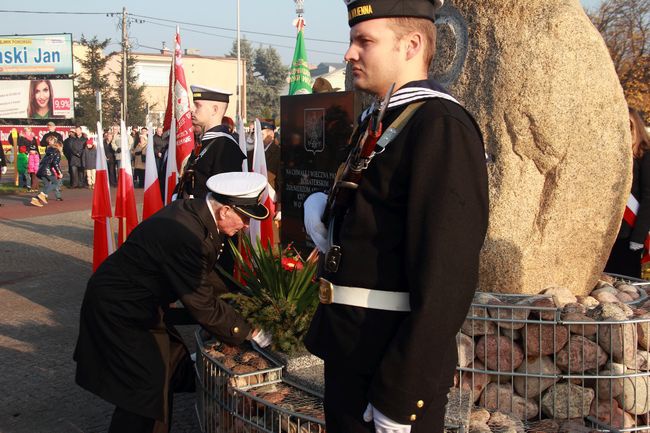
x=279 y=292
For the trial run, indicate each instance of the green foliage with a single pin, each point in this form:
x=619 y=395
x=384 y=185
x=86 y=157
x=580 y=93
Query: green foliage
x=91 y=80
x=280 y=293
x=265 y=78
x=136 y=112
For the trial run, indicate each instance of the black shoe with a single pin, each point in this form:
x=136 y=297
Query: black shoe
x=59 y=199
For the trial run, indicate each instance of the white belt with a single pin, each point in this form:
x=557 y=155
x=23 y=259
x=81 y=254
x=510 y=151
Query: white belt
x=329 y=293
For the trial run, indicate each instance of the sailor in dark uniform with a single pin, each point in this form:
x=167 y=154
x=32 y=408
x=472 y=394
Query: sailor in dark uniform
x=217 y=151
x=409 y=240
x=127 y=352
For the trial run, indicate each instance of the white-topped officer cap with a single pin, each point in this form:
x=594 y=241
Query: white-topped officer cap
x=209 y=94
x=242 y=191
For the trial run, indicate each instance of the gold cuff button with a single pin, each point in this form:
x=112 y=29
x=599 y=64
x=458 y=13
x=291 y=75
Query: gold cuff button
x=235 y=330
x=420 y=404
x=413 y=417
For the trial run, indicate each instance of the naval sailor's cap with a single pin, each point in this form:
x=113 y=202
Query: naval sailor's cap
x=363 y=10
x=241 y=191
x=201 y=93
x=267 y=124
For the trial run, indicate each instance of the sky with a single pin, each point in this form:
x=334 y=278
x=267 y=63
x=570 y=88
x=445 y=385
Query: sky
x=205 y=25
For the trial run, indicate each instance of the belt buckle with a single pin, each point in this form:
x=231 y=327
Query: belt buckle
x=325 y=291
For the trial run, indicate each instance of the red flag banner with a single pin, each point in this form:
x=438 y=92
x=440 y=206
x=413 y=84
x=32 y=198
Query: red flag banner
x=125 y=210
x=152 y=202
x=182 y=113
x=262 y=229
x=171 y=172
x=103 y=242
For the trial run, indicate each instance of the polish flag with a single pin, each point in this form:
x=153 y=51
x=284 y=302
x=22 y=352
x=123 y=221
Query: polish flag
x=125 y=210
x=171 y=172
x=262 y=229
x=103 y=242
x=242 y=144
x=152 y=202
x=178 y=107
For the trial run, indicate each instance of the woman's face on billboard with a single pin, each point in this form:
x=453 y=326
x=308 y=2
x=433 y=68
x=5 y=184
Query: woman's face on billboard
x=42 y=95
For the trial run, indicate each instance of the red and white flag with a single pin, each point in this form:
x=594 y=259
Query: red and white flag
x=103 y=242
x=262 y=229
x=178 y=107
x=171 y=172
x=152 y=202
x=125 y=210
x=242 y=144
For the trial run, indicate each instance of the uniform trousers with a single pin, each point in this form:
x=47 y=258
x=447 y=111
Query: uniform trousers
x=346 y=400
x=623 y=261
x=124 y=421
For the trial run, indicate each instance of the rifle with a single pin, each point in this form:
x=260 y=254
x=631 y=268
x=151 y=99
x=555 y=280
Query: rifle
x=349 y=176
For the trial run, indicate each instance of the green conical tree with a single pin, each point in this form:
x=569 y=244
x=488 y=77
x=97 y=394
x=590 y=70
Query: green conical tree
x=92 y=78
x=136 y=105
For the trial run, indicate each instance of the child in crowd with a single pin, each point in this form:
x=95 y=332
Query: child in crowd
x=89 y=162
x=33 y=161
x=23 y=176
x=50 y=171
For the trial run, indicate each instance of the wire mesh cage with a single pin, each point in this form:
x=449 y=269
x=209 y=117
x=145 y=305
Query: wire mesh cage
x=524 y=356
x=242 y=390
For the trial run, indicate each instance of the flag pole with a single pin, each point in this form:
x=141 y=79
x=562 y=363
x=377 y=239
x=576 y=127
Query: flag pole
x=239 y=110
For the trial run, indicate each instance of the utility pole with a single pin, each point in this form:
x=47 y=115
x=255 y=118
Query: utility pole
x=125 y=42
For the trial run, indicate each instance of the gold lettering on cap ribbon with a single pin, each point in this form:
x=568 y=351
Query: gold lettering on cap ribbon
x=360 y=11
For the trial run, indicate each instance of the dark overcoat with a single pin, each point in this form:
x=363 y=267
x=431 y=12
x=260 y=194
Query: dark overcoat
x=125 y=352
x=416 y=224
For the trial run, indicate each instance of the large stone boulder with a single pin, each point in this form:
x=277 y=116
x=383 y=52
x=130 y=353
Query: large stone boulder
x=539 y=80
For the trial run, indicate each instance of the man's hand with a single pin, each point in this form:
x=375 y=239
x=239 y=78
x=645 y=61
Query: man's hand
x=383 y=424
x=4 y=169
x=262 y=338
x=314 y=208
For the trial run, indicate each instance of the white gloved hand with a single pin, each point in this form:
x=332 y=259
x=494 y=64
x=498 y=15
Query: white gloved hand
x=383 y=424
x=4 y=170
x=278 y=216
x=314 y=208
x=262 y=338
x=635 y=246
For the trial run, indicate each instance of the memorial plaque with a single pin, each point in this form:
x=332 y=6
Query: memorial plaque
x=314 y=137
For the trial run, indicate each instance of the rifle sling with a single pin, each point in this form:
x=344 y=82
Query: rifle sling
x=333 y=256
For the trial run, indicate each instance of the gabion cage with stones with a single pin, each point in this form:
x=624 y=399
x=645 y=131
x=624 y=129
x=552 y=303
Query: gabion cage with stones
x=540 y=363
x=242 y=390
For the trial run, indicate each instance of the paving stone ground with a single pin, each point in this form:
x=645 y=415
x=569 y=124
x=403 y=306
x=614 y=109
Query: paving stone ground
x=45 y=262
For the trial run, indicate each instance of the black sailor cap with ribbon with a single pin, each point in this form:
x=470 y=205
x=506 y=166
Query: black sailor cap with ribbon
x=200 y=93
x=241 y=191
x=363 y=10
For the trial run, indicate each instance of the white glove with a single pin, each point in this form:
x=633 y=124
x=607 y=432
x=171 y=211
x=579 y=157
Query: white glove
x=314 y=208
x=262 y=338
x=383 y=424
x=278 y=216
x=635 y=246
x=4 y=169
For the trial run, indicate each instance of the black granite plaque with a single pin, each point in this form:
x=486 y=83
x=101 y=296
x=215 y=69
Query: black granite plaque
x=314 y=138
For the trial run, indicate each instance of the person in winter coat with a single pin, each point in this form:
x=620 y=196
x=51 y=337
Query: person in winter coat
x=3 y=161
x=89 y=163
x=50 y=171
x=33 y=161
x=625 y=257
x=51 y=131
x=111 y=162
x=77 y=145
x=128 y=353
x=139 y=153
x=21 y=165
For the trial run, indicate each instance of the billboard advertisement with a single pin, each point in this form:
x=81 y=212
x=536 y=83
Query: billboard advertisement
x=36 y=99
x=36 y=54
